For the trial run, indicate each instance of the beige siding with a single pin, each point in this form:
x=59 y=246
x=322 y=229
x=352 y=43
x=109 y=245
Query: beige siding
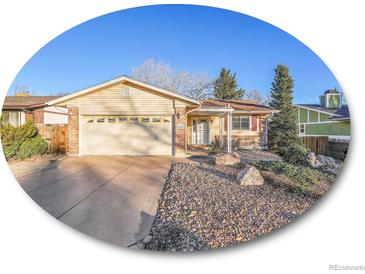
x=111 y=100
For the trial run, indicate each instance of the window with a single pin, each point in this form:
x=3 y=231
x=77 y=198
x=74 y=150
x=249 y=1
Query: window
x=11 y=117
x=133 y=119
x=166 y=119
x=100 y=120
x=301 y=129
x=156 y=119
x=90 y=121
x=241 y=123
x=145 y=120
x=111 y=120
x=126 y=91
x=123 y=119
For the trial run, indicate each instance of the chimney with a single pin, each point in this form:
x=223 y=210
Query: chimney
x=22 y=93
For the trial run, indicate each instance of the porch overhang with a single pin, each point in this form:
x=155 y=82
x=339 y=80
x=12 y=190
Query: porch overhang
x=212 y=111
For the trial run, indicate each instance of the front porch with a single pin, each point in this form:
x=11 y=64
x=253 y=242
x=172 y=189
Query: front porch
x=224 y=127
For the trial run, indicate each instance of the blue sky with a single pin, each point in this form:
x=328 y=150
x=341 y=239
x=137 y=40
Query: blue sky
x=192 y=38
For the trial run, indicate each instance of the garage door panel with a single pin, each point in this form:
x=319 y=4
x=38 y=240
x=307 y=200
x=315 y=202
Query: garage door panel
x=127 y=139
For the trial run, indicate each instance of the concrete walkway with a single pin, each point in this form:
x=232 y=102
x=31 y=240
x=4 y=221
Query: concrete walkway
x=111 y=198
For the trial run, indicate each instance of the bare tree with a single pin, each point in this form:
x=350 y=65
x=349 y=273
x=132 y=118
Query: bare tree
x=161 y=74
x=256 y=96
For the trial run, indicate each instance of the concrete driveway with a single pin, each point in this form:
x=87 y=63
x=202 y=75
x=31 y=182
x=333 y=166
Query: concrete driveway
x=111 y=198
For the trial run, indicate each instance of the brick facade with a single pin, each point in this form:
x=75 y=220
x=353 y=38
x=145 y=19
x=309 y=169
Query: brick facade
x=38 y=116
x=73 y=131
x=180 y=131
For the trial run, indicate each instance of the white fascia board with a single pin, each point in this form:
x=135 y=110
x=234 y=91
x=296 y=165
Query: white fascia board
x=215 y=110
x=321 y=111
x=255 y=111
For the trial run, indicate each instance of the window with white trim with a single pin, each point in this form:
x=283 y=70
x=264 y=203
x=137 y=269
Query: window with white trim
x=111 y=120
x=100 y=120
x=145 y=119
x=123 y=119
x=301 y=129
x=241 y=122
x=156 y=119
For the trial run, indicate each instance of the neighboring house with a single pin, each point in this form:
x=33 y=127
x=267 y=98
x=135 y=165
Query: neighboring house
x=125 y=116
x=21 y=108
x=330 y=118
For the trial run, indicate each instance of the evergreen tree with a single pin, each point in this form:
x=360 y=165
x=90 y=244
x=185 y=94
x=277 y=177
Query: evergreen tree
x=226 y=87
x=282 y=131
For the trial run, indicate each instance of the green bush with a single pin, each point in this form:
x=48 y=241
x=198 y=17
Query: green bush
x=21 y=142
x=303 y=175
x=214 y=146
x=31 y=147
x=296 y=154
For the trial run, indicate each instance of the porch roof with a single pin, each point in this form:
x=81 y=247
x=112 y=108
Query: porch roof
x=215 y=106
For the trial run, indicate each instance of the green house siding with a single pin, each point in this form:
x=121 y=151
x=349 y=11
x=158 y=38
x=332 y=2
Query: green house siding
x=313 y=116
x=324 y=117
x=338 y=128
x=303 y=115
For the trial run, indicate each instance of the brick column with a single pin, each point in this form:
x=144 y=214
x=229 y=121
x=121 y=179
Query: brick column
x=73 y=131
x=180 y=131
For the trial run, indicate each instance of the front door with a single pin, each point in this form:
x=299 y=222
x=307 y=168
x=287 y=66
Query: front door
x=200 y=131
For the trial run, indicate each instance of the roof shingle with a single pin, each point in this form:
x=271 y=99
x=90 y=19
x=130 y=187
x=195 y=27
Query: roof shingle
x=26 y=101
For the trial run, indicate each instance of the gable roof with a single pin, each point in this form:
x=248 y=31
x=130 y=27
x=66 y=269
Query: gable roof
x=342 y=112
x=26 y=102
x=126 y=79
x=237 y=105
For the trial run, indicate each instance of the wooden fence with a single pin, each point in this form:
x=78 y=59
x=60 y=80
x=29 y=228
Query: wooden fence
x=319 y=145
x=55 y=135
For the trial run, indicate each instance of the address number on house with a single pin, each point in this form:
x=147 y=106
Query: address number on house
x=180 y=126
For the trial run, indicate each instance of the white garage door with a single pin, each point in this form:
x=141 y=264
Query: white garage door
x=127 y=135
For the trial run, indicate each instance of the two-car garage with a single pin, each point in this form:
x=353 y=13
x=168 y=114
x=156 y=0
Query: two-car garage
x=126 y=135
x=125 y=116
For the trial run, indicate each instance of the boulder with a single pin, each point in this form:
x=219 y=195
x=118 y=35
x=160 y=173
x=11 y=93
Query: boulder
x=329 y=164
x=147 y=239
x=312 y=160
x=225 y=159
x=249 y=176
x=326 y=161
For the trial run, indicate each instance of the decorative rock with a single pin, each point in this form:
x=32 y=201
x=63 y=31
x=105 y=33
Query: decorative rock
x=249 y=176
x=147 y=239
x=225 y=159
x=325 y=160
x=312 y=160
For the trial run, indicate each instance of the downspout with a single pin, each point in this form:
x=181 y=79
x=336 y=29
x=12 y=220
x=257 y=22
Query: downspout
x=186 y=126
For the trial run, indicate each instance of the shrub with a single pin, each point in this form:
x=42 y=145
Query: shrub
x=301 y=174
x=296 y=154
x=21 y=142
x=214 y=146
x=31 y=147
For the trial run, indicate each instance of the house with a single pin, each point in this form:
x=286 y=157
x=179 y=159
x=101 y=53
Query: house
x=23 y=107
x=125 y=116
x=329 y=118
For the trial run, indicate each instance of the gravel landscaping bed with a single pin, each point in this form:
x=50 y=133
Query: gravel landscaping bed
x=250 y=155
x=202 y=207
